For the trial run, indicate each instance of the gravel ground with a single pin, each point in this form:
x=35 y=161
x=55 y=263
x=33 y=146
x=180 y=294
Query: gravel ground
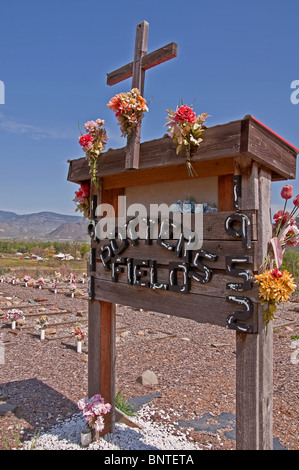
x=191 y=407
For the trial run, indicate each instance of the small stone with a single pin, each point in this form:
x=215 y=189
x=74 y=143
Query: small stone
x=123 y=418
x=147 y=377
x=7 y=409
x=124 y=334
x=140 y=333
x=50 y=331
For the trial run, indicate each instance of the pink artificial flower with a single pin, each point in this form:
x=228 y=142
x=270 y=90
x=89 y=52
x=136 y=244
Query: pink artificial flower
x=283 y=217
x=114 y=103
x=292 y=236
x=287 y=192
x=100 y=122
x=99 y=424
x=296 y=201
x=184 y=113
x=91 y=126
x=82 y=403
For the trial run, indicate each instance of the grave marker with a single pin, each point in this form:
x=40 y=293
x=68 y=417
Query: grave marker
x=236 y=162
x=136 y=70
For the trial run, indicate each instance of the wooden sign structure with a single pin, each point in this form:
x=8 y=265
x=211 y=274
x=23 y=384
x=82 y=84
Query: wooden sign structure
x=211 y=285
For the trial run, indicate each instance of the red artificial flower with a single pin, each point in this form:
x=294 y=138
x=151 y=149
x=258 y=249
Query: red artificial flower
x=287 y=192
x=185 y=114
x=82 y=193
x=276 y=273
x=296 y=201
x=85 y=140
x=283 y=217
x=85 y=189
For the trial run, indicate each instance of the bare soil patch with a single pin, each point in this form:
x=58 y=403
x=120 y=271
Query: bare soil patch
x=194 y=363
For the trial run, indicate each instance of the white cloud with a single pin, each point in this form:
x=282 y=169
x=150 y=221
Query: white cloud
x=35 y=132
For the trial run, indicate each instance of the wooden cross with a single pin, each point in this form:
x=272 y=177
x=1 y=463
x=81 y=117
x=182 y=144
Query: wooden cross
x=136 y=70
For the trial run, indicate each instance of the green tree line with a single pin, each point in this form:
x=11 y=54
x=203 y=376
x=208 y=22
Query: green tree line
x=44 y=248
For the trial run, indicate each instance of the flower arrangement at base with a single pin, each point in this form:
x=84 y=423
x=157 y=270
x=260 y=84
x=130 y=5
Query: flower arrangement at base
x=93 y=409
x=73 y=288
x=185 y=128
x=40 y=282
x=275 y=285
x=80 y=334
x=285 y=232
x=93 y=144
x=56 y=280
x=82 y=199
x=42 y=323
x=13 y=315
x=129 y=109
x=26 y=280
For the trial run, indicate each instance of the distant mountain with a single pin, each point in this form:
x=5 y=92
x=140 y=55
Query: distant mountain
x=70 y=231
x=7 y=215
x=41 y=225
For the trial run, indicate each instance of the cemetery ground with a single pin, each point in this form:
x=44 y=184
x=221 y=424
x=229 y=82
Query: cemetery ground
x=42 y=380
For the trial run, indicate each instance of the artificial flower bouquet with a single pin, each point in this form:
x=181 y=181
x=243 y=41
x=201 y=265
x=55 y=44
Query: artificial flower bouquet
x=82 y=199
x=93 y=144
x=42 y=323
x=93 y=409
x=73 y=288
x=79 y=333
x=14 y=315
x=129 y=109
x=185 y=128
x=275 y=285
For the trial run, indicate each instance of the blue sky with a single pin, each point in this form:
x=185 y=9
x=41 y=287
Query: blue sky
x=234 y=58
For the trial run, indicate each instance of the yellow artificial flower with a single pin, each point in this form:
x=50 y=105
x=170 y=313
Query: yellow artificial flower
x=274 y=286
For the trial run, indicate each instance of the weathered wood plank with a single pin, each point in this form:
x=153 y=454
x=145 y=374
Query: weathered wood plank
x=148 y=61
x=225 y=192
x=269 y=150
x=169 y=174
x=200 y=308
x=216 y=287
x=219 y=142
x=155 y=252
x=213 y=225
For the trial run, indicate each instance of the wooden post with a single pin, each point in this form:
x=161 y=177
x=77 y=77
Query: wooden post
x=133 y=141
x=101 y=328
x=254 y=356
x=101 y=355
